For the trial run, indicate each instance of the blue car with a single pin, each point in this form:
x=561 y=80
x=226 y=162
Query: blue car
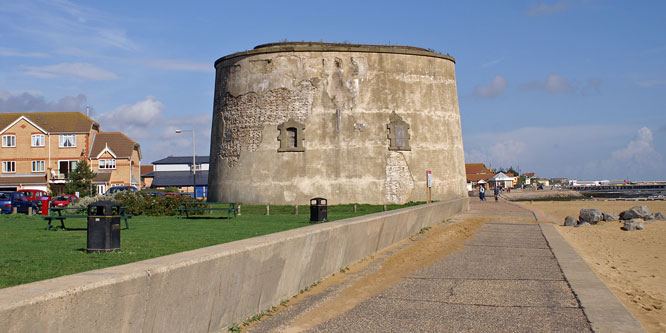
x=9 y=200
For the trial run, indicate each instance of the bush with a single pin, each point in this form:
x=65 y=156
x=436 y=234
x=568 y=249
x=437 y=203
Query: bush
x=138 y=203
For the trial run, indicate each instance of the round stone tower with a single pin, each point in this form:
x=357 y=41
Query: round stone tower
x=350 y=123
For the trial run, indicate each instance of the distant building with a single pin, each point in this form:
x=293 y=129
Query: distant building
x=147 y=175
x=500 y=180
x=559 y=181
x=476 y=172
x=176 y=171
x=40 y=149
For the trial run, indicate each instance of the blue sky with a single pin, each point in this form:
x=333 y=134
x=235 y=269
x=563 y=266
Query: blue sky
x=562 y=88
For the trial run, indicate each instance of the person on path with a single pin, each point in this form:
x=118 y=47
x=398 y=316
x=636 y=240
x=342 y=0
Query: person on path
x=496 y=193
x=482 y=193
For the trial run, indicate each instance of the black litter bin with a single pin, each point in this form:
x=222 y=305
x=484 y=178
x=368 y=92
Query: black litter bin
x=103 y=227
x=318 y=210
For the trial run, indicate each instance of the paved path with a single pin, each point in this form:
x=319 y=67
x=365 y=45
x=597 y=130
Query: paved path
x=506 y=278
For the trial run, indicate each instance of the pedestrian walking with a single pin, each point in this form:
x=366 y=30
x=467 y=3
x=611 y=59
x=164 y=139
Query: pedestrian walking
x=496 y=193
x=482 y=193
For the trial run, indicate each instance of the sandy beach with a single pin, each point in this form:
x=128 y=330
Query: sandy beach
x=632 y=264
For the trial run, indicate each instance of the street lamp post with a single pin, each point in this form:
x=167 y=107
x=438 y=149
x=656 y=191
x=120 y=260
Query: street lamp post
x=194 y=166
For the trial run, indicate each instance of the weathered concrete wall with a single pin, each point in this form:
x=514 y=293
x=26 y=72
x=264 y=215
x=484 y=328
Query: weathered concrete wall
x=345 y=96
x=208 y=289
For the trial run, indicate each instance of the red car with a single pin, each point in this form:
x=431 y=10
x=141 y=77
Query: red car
x=64 y=200
x=34 y=195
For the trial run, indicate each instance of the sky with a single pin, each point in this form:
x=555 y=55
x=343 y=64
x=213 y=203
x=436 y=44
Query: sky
x=572 y=89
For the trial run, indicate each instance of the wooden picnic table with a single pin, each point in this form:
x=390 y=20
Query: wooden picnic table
x=63 y=213
x=193 y=206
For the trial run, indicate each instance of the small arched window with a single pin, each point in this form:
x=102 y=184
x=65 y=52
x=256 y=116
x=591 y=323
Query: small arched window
x=291 y=136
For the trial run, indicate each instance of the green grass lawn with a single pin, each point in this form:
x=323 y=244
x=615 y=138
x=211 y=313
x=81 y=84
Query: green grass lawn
x=30 y=253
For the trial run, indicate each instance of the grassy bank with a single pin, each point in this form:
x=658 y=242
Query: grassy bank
x=29 y=253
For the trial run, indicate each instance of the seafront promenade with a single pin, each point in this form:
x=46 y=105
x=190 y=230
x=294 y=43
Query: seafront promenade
x=512 y=274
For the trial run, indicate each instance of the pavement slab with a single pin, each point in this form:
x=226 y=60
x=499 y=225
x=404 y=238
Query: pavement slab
x=507 y=278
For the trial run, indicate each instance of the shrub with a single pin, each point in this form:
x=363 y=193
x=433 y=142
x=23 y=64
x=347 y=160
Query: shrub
x=138 y=203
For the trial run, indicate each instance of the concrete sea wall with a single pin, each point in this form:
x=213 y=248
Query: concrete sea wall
x=209 y=289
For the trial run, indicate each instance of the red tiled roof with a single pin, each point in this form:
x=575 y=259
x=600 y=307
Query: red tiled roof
x=477 y=171
x=147 y=169
x=118 y=142
x=473 y=168
x=53 y=122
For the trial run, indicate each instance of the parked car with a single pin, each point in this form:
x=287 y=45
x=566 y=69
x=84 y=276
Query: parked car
x=9 y=200
x=35 y=195
x=64 y=200
x=5 y=203
x=116 y=189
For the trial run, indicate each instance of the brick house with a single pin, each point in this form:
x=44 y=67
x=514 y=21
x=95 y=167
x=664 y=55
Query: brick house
x=477 y=173
x=40 y=149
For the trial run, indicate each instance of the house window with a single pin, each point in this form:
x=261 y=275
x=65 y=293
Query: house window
x=291 y=136
x=37 y=166
x=107 y=164
x=398 y=133
x=38 y=140
x=9 y=140
x=67 y=140
x=65 y=167
x=8 y=166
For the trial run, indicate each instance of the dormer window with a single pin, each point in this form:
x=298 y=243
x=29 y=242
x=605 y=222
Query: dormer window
x=107 y=164
x=67 y=140
x=291 y=136
x=9 y=140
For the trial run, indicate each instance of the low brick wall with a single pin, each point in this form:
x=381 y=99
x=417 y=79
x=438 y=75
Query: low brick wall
x=209 y=289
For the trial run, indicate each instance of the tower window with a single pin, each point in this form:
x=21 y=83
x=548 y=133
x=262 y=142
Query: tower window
x=291 y=136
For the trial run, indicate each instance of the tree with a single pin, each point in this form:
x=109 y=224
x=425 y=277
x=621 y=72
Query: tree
x=80 y=180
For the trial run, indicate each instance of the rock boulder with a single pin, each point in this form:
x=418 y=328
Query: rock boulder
x=633 y=224
x=592 y=216
x=610 y=216
x=569 y=221
x=636 y=212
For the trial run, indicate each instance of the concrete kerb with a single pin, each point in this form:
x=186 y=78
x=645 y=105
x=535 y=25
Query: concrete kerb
x=209 y=289
x=603 y=309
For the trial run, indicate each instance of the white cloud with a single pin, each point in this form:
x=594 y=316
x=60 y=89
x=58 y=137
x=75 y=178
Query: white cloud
x=32 y=102
x=493 y=89
x=639 y=152
x=6 y=52
x=65 y=24
x=181 y=65
x=146 y=123
x=581 y=152
x=542 y=8
x=651 y=83
x=80 y=71
x=492 y=63
x=136 y=120
x=554 y=84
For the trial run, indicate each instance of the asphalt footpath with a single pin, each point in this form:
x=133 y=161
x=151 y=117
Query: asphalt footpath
x=507 y=278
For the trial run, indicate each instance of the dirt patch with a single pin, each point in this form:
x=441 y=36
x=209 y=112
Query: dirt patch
x=632 y=264
x=432 y=247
